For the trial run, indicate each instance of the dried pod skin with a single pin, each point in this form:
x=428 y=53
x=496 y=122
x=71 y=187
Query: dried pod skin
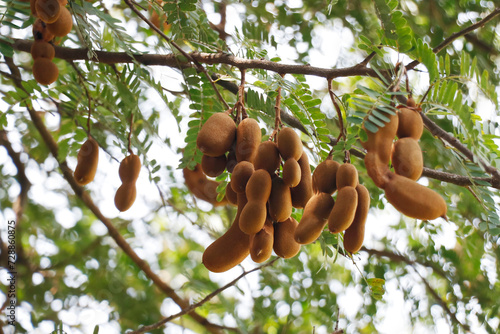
x=324 y=178
x=280 y=201
x=231 y=248
x=407 y=158
x=40 y=31
x=381 y=141
x=248 y=137
x=41 y=49
x=291 y=172
x=125 y=196
x=303 y=191
x=261 y=243
x=344 y=210
x=201 y=187
x=48 y=10
x=63 y=25
x=314 y=218
x=377 y=171
x=355 y=234
x=285 y=245
x=267 y=157
x=413 y=199
x=217 y=135
x=259 y=186
x=88 y=157
x=129 y=169
x=241 y=174
x=410 y=124
x=213 y=166
x=252 y=218
x=45 y=71
x=289 y=144
x=347 y=176
x=231 y=196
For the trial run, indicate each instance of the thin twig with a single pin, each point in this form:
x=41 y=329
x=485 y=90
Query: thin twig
x=130 y=132
x=277 y=113
x=333 y=97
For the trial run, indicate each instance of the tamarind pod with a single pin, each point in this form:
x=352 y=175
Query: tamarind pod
x=285 y=245
x=314 y=218
x=355 y=234
x=253 y=217
x=33 y=8
x=248 y=137
x=289 y=144
x=291 y=173
x=411 y=102
x=280 y=200
x=410 y=124
x=324 y=178
x=381 y=141
x=231 y=248
x=231 y=196
x=347 y=176
x=413 y=199
x=377 y=171
x=261 y=243
x=213 y=166
x=40 y=32
x=216 y=135
x=125 y=196
x=48 y=10
x=201 y=187
x=63 y=25
x=258 y=187
x=41 y=49
x=45 y=71
x=407 y=158
x=88 y=157
x=241 y=174
x=303 y=191
x=231 y=160
x=267 y=157
x=129 y=169
x=344 y=210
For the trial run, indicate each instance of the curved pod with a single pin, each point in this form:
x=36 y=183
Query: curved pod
x=344 y=210
x=129 y=169
x=248 y=138
x=240 y=176
x=125 y=196
x=289 y=144
x=213 y=166
x=347 y=176
x=291 y=173
x=381 y=141
x=324 y=178
x=216 y=135
x=314 y=218
x=88 y=158
x=267 y=157
x=285 y=245
x=253 y=217
x=407 y=158
x=303 y=191
x=261 y=243
x=410 y=124
x=280 y=201
x=355 y=234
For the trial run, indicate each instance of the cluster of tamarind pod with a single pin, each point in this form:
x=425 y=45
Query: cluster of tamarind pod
x=53 y=19
x=130 y=167
x=401 y=189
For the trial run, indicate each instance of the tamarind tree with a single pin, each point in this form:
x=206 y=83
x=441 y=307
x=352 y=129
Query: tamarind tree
x=143 y=76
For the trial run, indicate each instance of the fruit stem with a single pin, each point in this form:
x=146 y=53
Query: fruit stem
x=130 y=133
x=240 y=105
x=277 y=111
x=334 y=98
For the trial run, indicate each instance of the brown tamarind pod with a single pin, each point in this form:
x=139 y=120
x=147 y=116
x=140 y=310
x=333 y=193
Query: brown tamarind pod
x=407 y=158
x=201 y=187
x=291 y=173
x=355 y=234
x=40 y=31
x=303 y=191
x=216 y=135
x=88 y=157
x=241 y=174
x=285 y=245
x=33 y=8
x=45 y=71
x=231 y=248
x=377 y=171
x=47 y=10
x=413 y=199
x=41 y=49
x=125 y=196
x=248 y=138
x=410 y=124
x=63 y=25
x=213 y=166
x=258 y=187
x=231 y=196
x=347 y=176
x=314 y=218
x=381 y=141
x=344 y=210
x=324 y=178
x=411 y=102
x=129 y=169
x=253 y=217
x=231 y=160
x=280 y=200
x=261 y=243
x=267 y=157
x=289 y=144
